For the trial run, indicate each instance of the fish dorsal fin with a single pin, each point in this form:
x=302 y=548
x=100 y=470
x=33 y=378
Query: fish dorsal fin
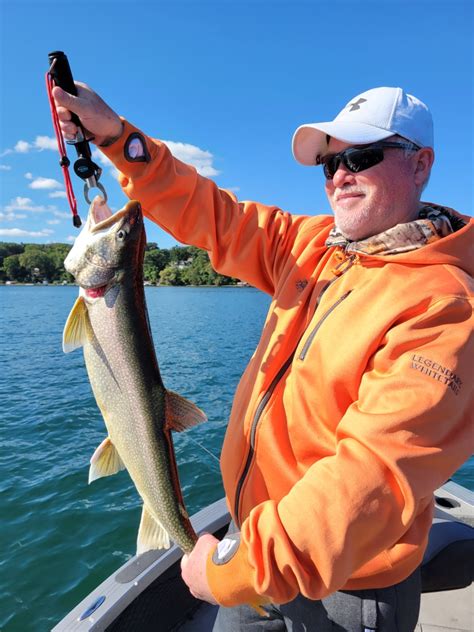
x=181 y=413
x=105 y=461
x=75 y=329
x=151 y=534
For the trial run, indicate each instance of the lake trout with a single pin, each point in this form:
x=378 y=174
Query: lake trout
x=110 y=321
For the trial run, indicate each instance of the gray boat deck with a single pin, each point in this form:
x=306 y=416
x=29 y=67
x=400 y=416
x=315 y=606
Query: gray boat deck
x=449 y=610
x=133 y=598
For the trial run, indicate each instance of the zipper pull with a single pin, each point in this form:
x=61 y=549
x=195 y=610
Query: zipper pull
x=345 y=265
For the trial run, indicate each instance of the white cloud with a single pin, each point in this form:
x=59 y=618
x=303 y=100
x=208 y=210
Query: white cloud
x=57 y=194
x=60 y=214
x=39 y=144
x=29 y=176
x=190 y=154
x=71 y=238
x=23 y=204
x=44 y=183
x=22 y=147
x=10 y=217
x=99 y=157
x=53 y=222
x=18 y=232
x=46 y=142
x=5 y=168
x=193 y=155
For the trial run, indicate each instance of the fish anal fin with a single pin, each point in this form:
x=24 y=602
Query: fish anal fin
x=75 y=329
x=151 y=534
x=105 y=461
x=181 y=413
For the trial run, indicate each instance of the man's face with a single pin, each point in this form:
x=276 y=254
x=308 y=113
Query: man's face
x=371 y=201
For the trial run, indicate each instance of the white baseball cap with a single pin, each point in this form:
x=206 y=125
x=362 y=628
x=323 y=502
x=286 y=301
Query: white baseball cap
x=367 y=118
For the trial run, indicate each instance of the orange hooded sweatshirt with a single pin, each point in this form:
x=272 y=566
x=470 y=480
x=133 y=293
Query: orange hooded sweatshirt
x=356 y=404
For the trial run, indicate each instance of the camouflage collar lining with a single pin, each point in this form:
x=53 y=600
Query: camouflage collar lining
x=433 y=223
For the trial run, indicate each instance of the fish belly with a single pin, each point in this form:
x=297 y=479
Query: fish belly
x=133 y=406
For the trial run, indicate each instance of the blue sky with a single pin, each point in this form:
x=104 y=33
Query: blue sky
x=227 y=83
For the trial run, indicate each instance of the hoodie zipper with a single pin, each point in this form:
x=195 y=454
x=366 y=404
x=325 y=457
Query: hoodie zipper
x=253 y=432
x=311 y=336
x=338 y=271
x=268 y=393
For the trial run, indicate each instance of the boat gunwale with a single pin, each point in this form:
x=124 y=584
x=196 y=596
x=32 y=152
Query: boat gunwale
x=138 y=573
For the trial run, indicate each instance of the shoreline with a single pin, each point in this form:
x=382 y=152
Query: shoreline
x=17 y=284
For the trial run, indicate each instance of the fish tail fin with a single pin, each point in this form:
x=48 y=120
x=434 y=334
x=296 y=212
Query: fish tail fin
x=75 y=329
x=181 y=413
x=151 y=534
x=105 y=461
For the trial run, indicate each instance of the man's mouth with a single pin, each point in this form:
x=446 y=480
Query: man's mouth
x=349 y=195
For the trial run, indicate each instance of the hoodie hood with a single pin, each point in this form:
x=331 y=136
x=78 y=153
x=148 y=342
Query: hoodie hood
x=439 y=235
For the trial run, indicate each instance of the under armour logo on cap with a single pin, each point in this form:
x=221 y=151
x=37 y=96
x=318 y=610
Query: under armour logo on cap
x=369 y=117
x=356 y=104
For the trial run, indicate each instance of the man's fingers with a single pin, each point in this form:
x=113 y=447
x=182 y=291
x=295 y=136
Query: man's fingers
x=66 y=102
x=97 y=118
x=68 y=128
x=63 y=113
x=63 y=98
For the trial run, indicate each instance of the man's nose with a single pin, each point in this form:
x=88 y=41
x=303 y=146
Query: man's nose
x=342 y=176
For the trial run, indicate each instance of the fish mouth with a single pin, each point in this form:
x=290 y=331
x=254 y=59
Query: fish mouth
x=131 y=211
x=96 y=292
x=93 y=293
x=97 y=258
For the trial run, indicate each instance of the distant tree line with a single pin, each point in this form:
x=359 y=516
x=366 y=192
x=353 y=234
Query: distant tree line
x=180 y=265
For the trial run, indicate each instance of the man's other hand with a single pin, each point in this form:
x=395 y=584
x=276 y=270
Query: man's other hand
x=193 y=568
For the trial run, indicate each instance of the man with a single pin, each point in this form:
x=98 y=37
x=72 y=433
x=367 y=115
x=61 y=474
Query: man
x=356 y=404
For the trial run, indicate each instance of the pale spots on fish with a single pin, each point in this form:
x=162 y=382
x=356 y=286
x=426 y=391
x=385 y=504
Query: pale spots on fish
x=123 y=371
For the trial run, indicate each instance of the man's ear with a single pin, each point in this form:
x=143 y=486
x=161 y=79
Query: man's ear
x=423 y=163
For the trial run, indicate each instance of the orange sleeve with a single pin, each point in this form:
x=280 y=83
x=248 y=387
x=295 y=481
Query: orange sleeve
x=246 y=240
x=366 y=510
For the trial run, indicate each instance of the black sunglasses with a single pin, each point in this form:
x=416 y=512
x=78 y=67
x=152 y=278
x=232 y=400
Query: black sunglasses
x=360 y=158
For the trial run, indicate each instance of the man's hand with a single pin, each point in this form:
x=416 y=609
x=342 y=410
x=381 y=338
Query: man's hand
x=95 y=115
x=193 y=568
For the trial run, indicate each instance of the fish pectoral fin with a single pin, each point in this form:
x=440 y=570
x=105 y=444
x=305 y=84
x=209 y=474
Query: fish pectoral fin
x=181 y=413
x=75 y=329
x=105 y=461
x=151 y=534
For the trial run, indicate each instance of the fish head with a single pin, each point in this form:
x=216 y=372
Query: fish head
x=109 y=248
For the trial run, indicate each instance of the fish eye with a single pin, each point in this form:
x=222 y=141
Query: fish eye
x=121 y=234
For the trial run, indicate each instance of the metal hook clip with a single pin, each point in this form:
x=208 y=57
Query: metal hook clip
x=88 y=185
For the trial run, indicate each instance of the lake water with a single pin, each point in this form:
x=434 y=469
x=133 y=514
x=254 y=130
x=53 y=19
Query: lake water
x=61 y=537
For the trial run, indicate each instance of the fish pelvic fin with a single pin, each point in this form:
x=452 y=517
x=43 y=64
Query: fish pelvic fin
x=105 y=461
x=181 y=413
x=151 y=534
x=76 y=328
